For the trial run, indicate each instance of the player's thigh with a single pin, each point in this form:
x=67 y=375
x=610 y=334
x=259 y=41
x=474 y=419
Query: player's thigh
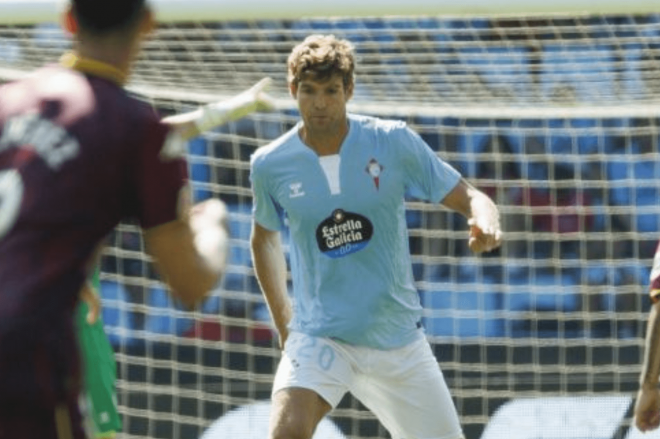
x=295 y=413
x=316 y=364
x=408 y=393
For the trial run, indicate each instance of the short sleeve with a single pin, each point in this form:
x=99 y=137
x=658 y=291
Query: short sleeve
x=265 y=210
x=159 y=177
x=427 y=176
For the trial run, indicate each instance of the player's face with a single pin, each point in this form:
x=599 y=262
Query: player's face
x=322 y=104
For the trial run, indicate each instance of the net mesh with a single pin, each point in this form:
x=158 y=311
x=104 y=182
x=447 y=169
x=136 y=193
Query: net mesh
x=555 y=117
x=435 y=61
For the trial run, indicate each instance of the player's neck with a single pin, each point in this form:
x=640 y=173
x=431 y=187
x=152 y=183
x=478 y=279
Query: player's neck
x=324 y=142
x=118 y=58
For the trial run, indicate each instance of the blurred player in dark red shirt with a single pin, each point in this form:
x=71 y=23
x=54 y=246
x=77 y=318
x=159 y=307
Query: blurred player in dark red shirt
x=77 y=155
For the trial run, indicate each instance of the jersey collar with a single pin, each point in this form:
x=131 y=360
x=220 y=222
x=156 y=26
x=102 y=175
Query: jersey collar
x=93 y=67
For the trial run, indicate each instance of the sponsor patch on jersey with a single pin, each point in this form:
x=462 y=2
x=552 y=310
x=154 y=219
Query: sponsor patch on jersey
x=343 y=233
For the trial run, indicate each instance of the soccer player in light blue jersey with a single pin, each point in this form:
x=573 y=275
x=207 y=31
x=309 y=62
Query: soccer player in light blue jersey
x=338 y=181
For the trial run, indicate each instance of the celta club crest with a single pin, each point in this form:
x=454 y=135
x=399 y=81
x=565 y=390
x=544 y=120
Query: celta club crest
x=374 y=169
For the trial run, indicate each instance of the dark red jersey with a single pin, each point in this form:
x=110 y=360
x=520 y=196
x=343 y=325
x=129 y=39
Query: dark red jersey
x=77 y=155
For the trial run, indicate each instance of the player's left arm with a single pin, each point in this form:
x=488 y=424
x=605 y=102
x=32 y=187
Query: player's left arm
x=210 y=116
x=482 y=214
x=647 y=404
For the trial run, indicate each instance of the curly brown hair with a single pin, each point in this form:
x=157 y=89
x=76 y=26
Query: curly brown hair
x=322 y=56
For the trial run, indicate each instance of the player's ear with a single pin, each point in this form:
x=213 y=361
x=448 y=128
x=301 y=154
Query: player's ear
x=349 y=90
x=293 y=89
x=148 y=24
x=69 y=21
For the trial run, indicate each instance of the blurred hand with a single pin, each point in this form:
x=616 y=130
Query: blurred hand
x=209 y=221
x=484 y=235
x=647 y=409
x=209 y=213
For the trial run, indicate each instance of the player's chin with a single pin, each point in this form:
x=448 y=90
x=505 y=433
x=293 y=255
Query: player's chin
x=483 y=248
x=645 y=426
x=477 y=247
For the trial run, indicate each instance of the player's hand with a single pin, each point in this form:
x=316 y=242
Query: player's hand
x=647 y=409
x=91 y=298
x=211 y=213
x=209 y=221
x=485 y=235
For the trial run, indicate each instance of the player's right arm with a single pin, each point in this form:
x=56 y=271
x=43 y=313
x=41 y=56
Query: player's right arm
x=188 y=244
x=190 y=252
x=271 y=272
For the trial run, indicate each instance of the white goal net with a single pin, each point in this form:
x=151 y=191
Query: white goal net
x=554 y=113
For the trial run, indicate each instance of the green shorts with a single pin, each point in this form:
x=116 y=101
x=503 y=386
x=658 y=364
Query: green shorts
x=99 y=374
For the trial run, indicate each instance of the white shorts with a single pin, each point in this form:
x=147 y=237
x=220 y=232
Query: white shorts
x=403 y=387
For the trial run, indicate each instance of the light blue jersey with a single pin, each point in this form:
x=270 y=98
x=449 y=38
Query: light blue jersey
x=349 y=254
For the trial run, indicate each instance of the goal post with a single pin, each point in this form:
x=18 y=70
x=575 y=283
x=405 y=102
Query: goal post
x=552 y=108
